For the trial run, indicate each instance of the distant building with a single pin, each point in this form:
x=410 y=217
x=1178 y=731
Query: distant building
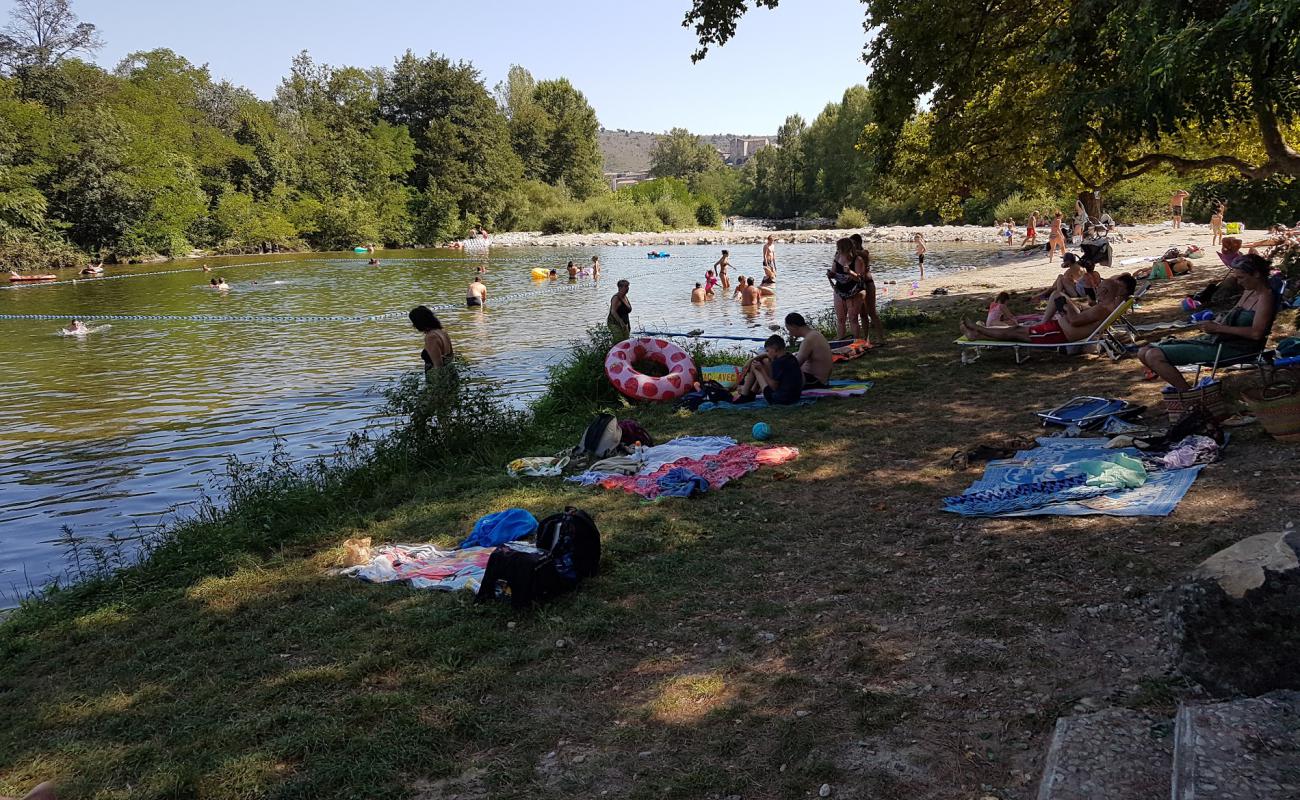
x=740 y=150
x=618 y=180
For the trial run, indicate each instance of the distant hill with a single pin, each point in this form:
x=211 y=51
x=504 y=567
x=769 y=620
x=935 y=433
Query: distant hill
x=629 y=151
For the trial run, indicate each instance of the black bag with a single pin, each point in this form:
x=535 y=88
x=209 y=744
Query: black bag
x=568 y=550
x=525 y=576
x=709 y=392
x=602 y=436
x=572 y=540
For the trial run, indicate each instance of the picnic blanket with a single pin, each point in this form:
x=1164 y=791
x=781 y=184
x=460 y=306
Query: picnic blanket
x=715 y=470
x=1051 y=480
x=838 y=388
x=425 y=566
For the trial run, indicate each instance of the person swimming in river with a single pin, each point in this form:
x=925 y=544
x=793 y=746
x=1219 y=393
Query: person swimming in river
x=572 y=269
x=76 y=328
x=476 y=294
x=709 y=282
x=595 y=266
x=750 y=294
x=437 y=350
x=698 y=295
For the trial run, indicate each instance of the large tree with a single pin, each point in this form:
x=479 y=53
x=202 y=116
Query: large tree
x=681 y=154
x=41 y=33
x=1099 y=88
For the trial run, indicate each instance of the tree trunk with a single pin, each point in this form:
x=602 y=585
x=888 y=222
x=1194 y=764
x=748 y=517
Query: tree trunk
x=1091 y=203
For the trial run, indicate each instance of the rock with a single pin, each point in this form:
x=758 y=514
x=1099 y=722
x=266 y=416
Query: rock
x=1236 y=619
x=825 y=791
x=801 y=713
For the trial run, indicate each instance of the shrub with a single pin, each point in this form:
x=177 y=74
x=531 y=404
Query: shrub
x=1018 y=207
x=674 y=214
x=1142 y=199
x=850 y=218
x=707 y=213
x=562 y=220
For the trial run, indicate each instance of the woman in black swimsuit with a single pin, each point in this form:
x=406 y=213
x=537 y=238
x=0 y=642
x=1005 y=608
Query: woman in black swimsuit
x=437 y=350
x=620 y=314
x=847 y=284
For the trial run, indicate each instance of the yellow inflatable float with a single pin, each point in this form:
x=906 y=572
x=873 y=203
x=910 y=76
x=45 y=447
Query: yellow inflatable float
x=539 y=274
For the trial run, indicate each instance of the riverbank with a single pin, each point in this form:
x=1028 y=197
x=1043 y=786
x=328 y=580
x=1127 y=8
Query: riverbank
x=821 y=623
x=977 y=234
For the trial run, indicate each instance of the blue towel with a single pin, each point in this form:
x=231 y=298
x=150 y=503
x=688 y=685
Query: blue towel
x=501 y=527
x=757 y=404
x=681 y=482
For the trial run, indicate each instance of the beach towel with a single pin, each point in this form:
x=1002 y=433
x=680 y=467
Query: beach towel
x=716 y=470
x=649 y=459
x=424 y=566
x=501 y=527
x=849 y=350
x=1023 y=485
x=837 y=388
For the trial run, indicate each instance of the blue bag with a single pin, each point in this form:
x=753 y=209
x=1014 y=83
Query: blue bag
x=501 y=527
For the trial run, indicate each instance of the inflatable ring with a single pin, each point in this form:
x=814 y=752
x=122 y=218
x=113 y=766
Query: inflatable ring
x=678 y=381
x=540 y=274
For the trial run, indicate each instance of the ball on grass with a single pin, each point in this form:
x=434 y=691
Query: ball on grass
x=1191 y=304
x=762 y=431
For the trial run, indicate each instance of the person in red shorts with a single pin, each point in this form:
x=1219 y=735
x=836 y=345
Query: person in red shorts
x=1070 y=325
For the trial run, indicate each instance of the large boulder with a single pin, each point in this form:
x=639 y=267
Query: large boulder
x=1236 y=620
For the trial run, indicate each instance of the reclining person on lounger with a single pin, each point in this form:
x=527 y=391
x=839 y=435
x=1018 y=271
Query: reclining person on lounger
x=1067 y=282
x=1242 y=331
x=1071 y=324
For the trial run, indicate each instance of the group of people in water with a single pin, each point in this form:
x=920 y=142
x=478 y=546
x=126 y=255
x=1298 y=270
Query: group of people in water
x=749 y=295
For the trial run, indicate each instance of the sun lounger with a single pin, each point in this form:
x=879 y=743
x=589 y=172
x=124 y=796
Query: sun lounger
x=1104 y=336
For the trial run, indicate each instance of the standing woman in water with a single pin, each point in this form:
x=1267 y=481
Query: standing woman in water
x=437 y=344
x=620 y=314
x=595 y=266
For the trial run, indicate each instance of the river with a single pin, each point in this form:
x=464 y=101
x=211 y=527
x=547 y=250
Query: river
x=118 y=431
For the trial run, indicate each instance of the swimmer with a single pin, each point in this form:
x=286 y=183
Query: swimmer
x=476 y=294
x=374 y=262
x=722 y=265
x=572 y=270
x=769 y=257
x=76 y=328
x=740 y=287
x=93 y=269
x=749 y=296
x=206 y=268
x=222 y=285
x=595 y=266
x=709 y=282
x=553 y=275
x=698 y=295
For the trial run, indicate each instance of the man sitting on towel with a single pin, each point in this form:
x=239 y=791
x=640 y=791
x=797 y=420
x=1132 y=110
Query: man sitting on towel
x=775 y=374
x=814 y=356
x=1070 y=325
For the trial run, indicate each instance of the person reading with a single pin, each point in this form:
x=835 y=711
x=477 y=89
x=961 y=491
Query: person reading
x=1070 y=324
x=775 y=374
x=814 y=356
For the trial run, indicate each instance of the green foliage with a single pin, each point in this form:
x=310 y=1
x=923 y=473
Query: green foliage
x=681 y=154
x=1018 y=207
x=707 y=213
x=851 y=218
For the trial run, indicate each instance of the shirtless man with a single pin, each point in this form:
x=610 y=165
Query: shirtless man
x=750 y=294
x=1176 y=206
x=769 y=256
x=1071 y=324
x=721 y=266
x=698 y=295
x=814 y=352
x=476 y=294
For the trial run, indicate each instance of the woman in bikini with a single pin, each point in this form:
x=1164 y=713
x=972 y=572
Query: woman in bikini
x=1055 y=239
x=437 y=350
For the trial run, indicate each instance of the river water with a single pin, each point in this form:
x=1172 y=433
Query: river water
x=118 y=431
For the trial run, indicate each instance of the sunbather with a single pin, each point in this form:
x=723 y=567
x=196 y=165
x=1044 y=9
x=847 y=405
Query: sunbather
x=776 y=375
x=1067 y=282
x=1070 y=325
x=814 y=356
x=1242 y=331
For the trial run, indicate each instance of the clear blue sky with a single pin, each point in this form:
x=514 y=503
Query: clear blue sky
x=630 y=57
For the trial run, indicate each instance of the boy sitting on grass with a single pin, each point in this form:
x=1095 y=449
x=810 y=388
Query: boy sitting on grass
x=777 y=375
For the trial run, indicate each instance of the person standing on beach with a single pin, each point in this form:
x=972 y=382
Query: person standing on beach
x=1217 y=211
x=769 y=256
x=1056 y=238
x=1031 y=231
x=721 y=266
x=1176 y=207
x=919 y=238
x=619 y=320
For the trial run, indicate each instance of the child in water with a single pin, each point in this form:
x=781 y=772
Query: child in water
x=920 y=252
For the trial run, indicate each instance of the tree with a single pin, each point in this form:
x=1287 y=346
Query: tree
x=572 y=155
x=681 y=154
x=1102 y=89
x=41 y=33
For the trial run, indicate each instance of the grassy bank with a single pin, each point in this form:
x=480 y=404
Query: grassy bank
x=821 y=622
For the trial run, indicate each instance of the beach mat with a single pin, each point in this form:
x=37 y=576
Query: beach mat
x=848 y=349
x=1051 y=460
x=838 y=388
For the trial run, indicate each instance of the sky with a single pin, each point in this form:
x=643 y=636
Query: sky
x=630 y=57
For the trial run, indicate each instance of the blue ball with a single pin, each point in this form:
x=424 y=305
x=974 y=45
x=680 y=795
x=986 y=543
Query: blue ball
x=762 y=431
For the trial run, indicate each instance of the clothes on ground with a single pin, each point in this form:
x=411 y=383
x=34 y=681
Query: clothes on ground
x=425 y=566
x=1191 y=451
x=716 y=469
x=537 y=466
x=788 y=377
x=1052 y=479
x=681 y=482
x=501 y=527
x=649 y=459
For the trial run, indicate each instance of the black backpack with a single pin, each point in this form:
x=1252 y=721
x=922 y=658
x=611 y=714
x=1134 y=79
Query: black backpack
x=602 y=436
x=568 y=550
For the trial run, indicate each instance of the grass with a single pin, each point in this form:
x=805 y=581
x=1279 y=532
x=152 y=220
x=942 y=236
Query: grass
x=819 y=623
